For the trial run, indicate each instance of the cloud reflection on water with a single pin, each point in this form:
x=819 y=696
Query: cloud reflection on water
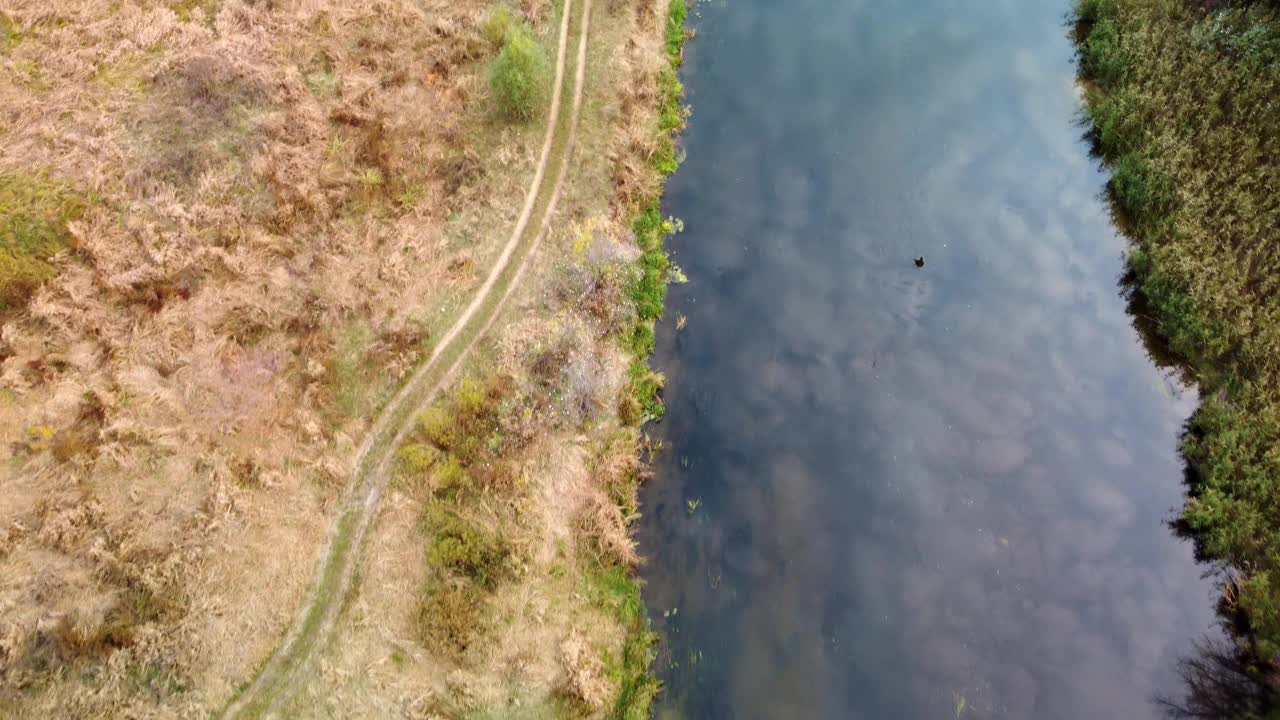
x=920 y=489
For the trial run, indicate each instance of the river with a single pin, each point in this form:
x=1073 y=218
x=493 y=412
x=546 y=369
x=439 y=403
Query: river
x=898 y=492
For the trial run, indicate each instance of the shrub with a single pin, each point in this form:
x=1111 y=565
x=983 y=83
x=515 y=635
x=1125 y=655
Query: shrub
x=468 y=424
x=416 y=458
x=1184 y=99
x=519 y=77
x=414 y=464
x=437 y=427
x=459 y=547
x=451 y=478
x=450 y=614
x=500 y=26
x=1117 y=122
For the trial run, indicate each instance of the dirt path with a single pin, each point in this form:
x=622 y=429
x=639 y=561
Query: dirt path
x=289 y=666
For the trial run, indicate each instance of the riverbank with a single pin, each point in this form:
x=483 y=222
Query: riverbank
x=1181 y=98
x=254 y=230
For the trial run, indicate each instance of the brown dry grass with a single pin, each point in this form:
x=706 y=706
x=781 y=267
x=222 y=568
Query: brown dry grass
x=540 y=638
x=289 y=200
x=267 y=252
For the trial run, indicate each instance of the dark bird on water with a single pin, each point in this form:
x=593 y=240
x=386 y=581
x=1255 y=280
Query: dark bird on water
x=919 y=261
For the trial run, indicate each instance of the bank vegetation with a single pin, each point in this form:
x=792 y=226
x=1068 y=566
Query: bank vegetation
x=1182 y=98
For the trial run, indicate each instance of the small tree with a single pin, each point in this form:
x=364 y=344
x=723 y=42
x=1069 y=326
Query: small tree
x=519 y=77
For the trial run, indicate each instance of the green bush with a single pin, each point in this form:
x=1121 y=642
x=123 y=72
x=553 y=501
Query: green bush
x=451 y=478
x=1117 y=122
x=468 y=425
x=519 y=77
x=416 y=458
x=436 y=426
x=459 y=547
x=499 y=26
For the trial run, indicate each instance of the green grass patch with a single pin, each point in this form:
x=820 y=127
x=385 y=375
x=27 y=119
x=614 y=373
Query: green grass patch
x=612 y=588
x=526 y=706
x=155 y=678
x=348 y=371
x=639 y=687
x=649 y=290
x=677 y=12
x=10 y=34
x=34 y=213
x=642 y=401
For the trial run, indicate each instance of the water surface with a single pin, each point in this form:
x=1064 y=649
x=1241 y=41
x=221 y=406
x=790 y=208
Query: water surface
x=916 y=493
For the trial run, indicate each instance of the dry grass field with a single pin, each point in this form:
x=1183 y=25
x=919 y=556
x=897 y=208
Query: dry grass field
x=230 y=231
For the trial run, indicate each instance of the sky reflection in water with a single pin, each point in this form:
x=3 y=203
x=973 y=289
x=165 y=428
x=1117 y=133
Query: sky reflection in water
x=922 y=492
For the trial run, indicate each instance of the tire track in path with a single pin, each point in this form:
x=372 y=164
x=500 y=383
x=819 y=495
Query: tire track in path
x=290 y=664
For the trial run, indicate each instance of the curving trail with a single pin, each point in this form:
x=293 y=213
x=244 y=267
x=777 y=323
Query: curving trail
x=290 y=664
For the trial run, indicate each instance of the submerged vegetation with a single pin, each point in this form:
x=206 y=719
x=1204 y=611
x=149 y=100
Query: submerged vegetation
x=1183 y=102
